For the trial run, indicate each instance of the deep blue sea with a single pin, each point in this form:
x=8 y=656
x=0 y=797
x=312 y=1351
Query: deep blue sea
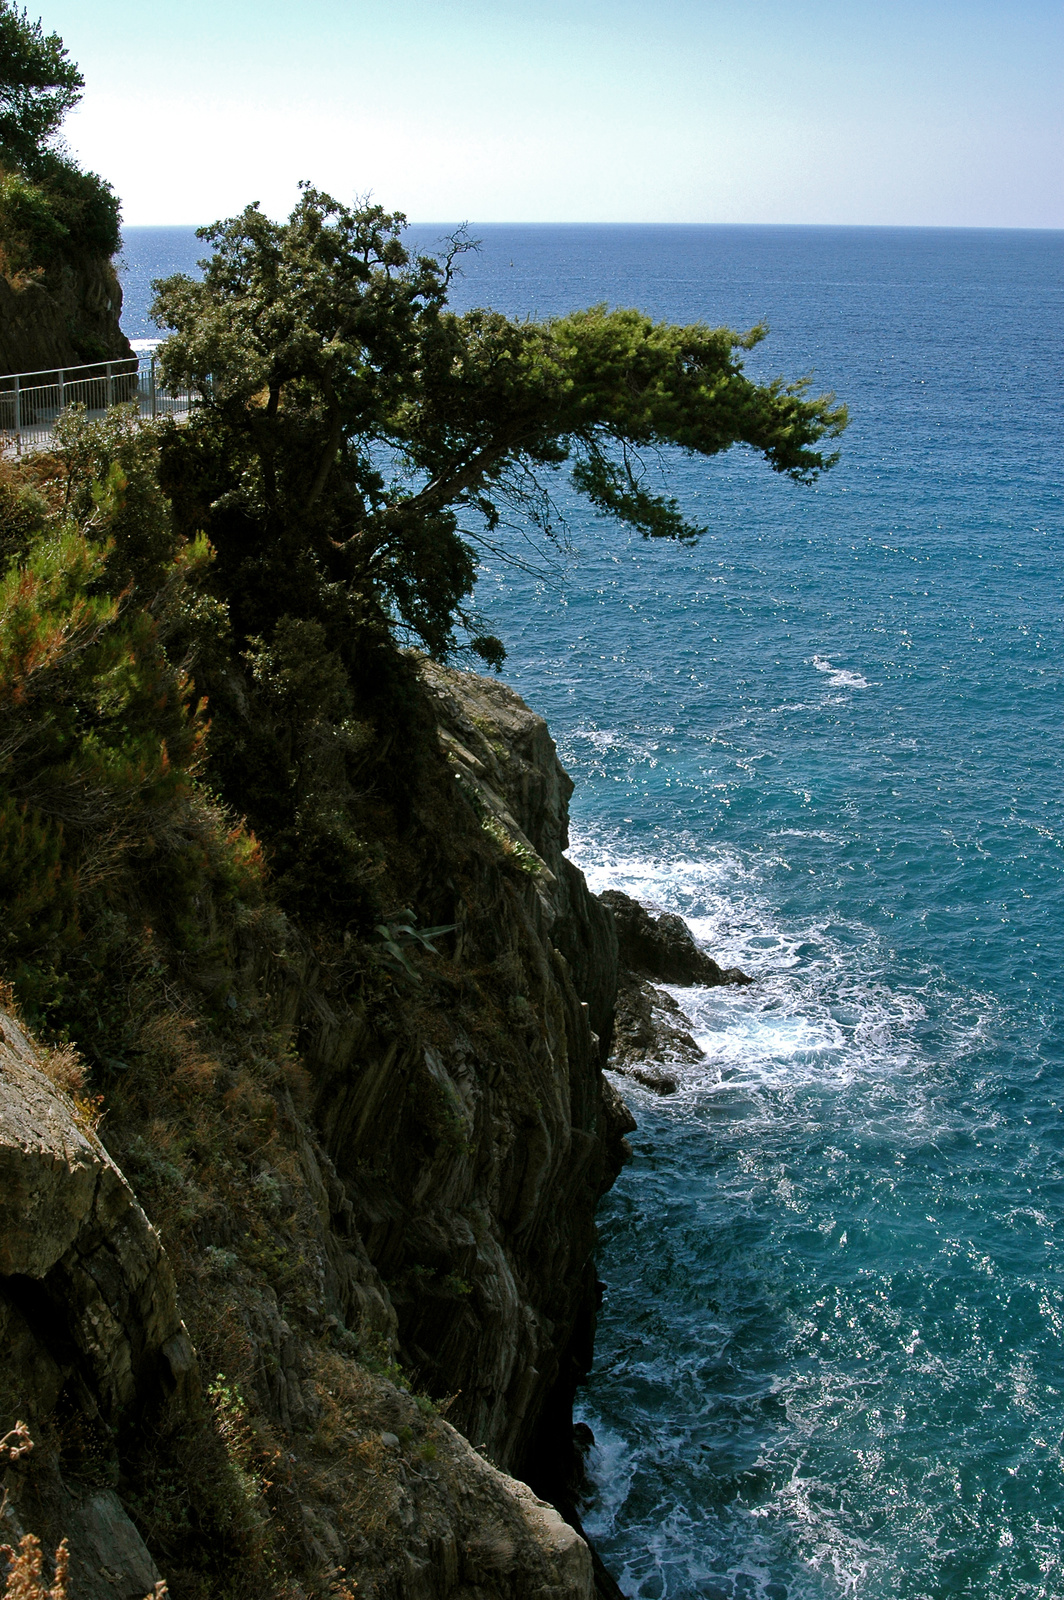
x=831 y=1353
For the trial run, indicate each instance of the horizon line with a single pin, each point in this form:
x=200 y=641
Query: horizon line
x=868 y=227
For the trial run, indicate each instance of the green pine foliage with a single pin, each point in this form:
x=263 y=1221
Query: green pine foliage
x=272 y=556
x=110 y=848
x=358 y=445
x=39 y=84
x=359 y=442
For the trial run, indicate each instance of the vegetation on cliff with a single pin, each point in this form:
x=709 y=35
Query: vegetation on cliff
x=214 y=1034
x=271 y=557
x=60 y=297
x=359 y=439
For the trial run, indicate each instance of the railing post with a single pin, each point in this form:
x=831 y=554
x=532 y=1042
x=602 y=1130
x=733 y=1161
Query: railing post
x=62 y=388
x=153 y=383
x=110 y=386
x=18 y=418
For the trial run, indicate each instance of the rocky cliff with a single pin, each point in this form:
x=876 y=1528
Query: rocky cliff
x=92 y=1347
x=492 y=1120
x=376 y=1221
x=64 y=317
x=89 y=1327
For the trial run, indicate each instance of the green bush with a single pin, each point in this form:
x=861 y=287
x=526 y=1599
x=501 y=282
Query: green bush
x=83 y=202
x=60 y=214
x=50 y=210
x=31 y=235
x=110 y=848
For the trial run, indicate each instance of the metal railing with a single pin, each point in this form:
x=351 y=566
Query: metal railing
x=30 y=402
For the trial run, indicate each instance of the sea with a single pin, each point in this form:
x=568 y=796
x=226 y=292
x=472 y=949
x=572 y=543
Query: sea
x=830 y=1358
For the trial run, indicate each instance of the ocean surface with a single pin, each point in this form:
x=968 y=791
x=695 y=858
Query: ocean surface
x=831 y=1352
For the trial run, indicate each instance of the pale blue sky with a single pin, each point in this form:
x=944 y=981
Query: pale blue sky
x=949 y=112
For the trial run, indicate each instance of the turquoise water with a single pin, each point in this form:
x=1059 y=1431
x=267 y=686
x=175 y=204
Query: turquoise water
x=830 y=1358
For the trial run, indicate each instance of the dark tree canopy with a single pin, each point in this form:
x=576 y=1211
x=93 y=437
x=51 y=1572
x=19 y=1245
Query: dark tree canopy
x=39 y=84
x=49 y=207
x=353 y=421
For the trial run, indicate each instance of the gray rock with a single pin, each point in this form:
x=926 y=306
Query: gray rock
x=650 y=1035
x=88 y=1311
x=107 y=1547
x=499 y=1132
x=661 y=947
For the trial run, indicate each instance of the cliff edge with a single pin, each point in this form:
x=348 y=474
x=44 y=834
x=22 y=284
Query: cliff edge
x=487 y=1109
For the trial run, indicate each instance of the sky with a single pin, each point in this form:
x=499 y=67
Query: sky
x=938 y=113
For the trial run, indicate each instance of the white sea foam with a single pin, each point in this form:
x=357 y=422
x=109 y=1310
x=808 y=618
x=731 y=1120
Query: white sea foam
x=836 y=1037
x=678 y=1544
x=611 y=1468
x=825 y=1007
x=838 y=677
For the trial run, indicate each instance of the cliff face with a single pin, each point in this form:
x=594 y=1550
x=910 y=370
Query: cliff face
x=475 y=1148
x=92 y=1348
x=67 y=317
x=405 y=1213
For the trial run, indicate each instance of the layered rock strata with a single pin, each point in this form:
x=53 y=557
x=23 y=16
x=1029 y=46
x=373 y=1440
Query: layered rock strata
x=400 y=1278
x=92 y=1350
x=434 y=1202
x=489 y=1115
x=90 y=1333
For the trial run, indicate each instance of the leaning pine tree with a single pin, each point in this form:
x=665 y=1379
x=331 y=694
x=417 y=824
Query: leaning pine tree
x=359 y=442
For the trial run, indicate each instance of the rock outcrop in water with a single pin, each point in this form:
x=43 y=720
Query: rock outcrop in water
x=650 y=1033
x=661 y=947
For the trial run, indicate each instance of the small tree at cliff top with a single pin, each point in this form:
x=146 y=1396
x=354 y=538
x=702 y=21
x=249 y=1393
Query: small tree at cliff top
x=353 y=422
x=39 y=84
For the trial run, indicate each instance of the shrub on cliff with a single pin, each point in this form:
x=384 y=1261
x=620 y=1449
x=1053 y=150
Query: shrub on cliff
x=106 y=845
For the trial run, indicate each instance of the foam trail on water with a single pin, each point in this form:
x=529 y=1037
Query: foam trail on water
x=822 y=1006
